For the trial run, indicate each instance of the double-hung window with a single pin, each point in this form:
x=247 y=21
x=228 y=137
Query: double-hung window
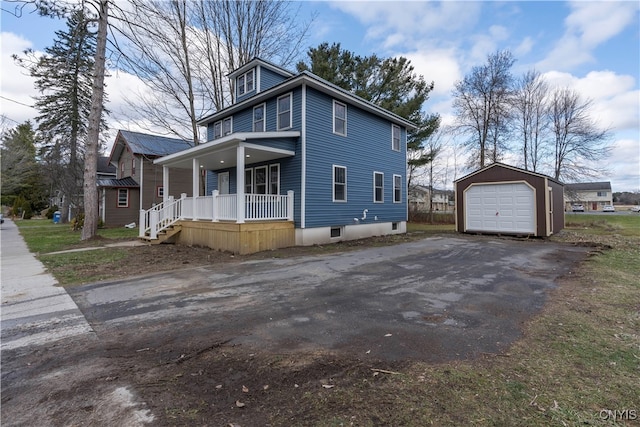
x=397 y=189
x=248 y=181
x=339 y=118
x=123 y=197
x=227 y=126
x=284 y=112
x=223 y=128
x=339 y=184
x=274 y=179
x=395 y=138
x=245 y=83
x=217 y=130
x=261 y=180
x=258 y=118
x=378 y=187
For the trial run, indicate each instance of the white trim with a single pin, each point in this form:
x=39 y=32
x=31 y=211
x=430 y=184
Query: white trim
x=319 y=84
x=266 y=179
x=142 y=184
x=278 y=127
x=322 y=235
x=271 y=165
x=303 y=160
x=264 y=117
x=394 y=126
x=393 y=185
x=118 y=200
x=374 y=186
x=334 y=117
x=333 y=183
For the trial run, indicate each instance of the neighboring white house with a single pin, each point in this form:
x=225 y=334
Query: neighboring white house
x=592 y=195
x=441 y=200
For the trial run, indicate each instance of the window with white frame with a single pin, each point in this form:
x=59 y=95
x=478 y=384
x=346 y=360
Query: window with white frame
x=123 y=197
x=227 y=126
x=260 y=176
x=395 y=138
x=397 y=188
x=339 y=118
x=133 y=167
x=378 y=187
x=274 y=179
x=122 y=169
x=223 y=128
x=258 y=118
x=248 y=181
x=245 y=82
x=284 y=112
x=339 y=183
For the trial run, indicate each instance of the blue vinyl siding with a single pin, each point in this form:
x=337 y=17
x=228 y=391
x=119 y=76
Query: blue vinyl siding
x=366 y=149
x=269 y=79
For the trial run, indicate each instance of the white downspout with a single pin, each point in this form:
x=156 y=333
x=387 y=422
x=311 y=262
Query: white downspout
x=165 y=183
x=142 y=183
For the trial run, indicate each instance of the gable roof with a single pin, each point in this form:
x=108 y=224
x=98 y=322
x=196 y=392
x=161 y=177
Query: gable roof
x=257 y=61
x=503 y=165
x=104 y=167
x=312 y=80
x=588 y=186
x=146 y=145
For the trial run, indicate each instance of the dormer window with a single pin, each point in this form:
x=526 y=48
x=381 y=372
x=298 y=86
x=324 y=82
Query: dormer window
x=245 y=82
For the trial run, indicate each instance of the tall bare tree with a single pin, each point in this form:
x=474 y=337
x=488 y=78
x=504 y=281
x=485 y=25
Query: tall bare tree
x=183 y=50
x=92 y=143
x=481 y=104
x=580 y=144
x=531 y=120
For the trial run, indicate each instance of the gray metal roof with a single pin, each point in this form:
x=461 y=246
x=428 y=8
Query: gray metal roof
x=124 y=182
x=153 y=145
x=588 y=186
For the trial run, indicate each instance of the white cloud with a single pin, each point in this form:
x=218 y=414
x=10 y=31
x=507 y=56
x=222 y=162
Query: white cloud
x=413 y=21
x=16 y=86
x=588 y=25
x=524 y=47
x=614 y=96
x=624 y=160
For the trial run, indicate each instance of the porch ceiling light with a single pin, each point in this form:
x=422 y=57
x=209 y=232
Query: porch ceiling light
x=248 y=155
x=221 y=161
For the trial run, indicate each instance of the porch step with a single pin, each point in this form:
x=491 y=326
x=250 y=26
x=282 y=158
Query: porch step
x=164 y=235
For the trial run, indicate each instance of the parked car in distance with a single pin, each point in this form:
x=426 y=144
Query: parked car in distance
x=1 y=219
x=608 y=208
x=635 y=209
x=577 y=208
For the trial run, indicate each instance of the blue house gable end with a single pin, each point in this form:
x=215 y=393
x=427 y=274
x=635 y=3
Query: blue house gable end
x=269 y=78
x=366 y=148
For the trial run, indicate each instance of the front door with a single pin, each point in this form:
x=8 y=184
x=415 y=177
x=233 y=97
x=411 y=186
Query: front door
x=223 y=183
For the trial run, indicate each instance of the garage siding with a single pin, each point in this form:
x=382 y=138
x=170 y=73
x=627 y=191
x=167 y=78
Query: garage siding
x=501 y=174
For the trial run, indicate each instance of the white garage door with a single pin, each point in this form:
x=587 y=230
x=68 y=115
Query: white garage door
x=506 y=208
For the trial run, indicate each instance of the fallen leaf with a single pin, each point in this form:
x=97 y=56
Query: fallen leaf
x=239 y=404
x=245 y=389
x=328 y=385
x=265 y=387
x=388 y=335
x=219 y=386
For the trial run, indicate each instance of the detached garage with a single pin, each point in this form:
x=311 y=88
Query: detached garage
x=502 y=199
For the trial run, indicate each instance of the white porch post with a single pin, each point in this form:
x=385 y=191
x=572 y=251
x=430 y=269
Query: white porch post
x=240 y=183
x=290 y=205
x=165 y=183
x=215 y=193
x=195 y=186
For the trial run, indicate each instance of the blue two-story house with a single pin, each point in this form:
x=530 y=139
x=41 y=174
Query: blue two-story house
x=295 y=160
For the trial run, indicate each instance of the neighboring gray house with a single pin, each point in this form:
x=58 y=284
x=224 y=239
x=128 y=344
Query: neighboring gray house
x=420 y=199
x=592 y=195
x=295 y=160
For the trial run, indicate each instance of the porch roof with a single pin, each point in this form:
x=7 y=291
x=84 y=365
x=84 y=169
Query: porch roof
x=221 y=153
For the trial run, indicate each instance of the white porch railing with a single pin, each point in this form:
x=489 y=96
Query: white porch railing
x=217 y=207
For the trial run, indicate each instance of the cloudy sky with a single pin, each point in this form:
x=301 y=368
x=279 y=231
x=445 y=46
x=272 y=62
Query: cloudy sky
x=593 y=47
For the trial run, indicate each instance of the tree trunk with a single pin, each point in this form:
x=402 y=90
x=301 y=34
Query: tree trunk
x=91 y=212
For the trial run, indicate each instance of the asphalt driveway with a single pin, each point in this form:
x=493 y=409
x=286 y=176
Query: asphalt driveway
x=437 y=299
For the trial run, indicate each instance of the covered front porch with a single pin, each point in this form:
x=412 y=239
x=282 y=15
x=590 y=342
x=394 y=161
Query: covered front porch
x=225 y=213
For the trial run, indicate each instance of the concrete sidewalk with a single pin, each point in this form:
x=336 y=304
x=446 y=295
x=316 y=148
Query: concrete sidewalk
x=34 y=309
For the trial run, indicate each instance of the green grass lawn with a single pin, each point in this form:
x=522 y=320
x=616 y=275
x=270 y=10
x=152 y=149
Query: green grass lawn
x=43 y=236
